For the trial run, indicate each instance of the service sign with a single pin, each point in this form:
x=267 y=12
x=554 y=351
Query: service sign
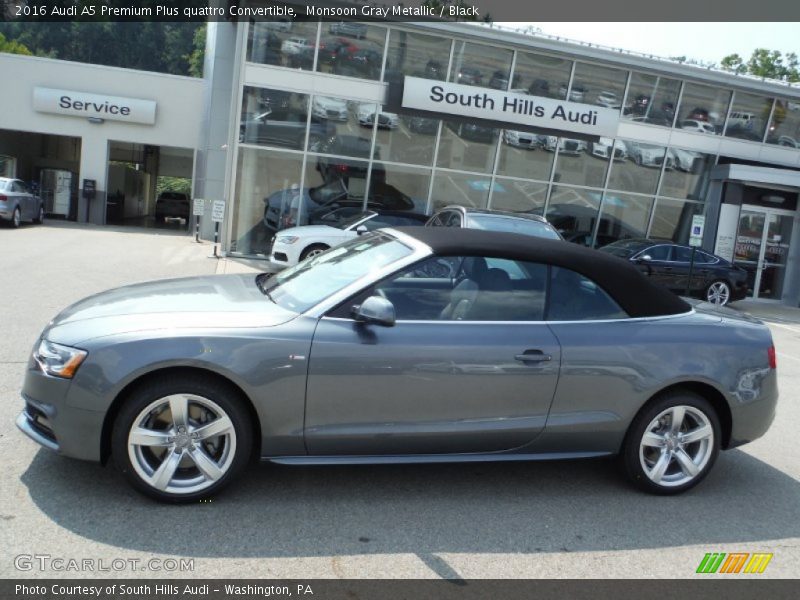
x=218 y=210
x=94 y=106
x=199 y=207
x=509 y=107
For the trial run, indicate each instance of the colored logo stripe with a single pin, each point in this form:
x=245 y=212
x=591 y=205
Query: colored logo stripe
x=758 y=562
x=734 y=563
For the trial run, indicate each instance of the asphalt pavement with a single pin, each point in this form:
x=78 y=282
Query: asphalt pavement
x=549 y=519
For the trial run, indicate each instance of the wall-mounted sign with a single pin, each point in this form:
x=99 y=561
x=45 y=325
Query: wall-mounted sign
x=94 y=106
x=509 y=107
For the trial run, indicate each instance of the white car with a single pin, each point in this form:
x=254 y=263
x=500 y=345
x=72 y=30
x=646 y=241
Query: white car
x=608 y=99
x=365 y=113
x=604 y=147
x=683 y=159
x=325 y=107
x=295 y=45
x=520 y=139
x=292 y=245
x=565 y=145
x=649 y=155
x=697 y=126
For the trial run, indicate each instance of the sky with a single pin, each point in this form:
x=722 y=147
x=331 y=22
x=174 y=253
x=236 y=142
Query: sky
x=707 y=42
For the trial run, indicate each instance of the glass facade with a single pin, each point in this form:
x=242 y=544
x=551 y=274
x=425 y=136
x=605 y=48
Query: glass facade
x=301 y=155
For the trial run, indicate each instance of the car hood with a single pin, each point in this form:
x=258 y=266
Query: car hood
x=312 y=231
x=210 y=302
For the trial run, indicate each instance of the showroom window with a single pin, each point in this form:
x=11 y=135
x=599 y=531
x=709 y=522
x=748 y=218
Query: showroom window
x=672 y=219
x=289 y=43
x=417 y=55
x=399 y=188
x=688 y=175
x=748 y=117
x=351 y=49
x=464 y=189
x=407 y=139
x=540 y=75
x=652 y=99
x=623 y=216
x=784 y=127
x=7 y=166
x=579 y=162
x=703 y=108
x=276 y=118
x=593 y=84
x=467 y=146
x=573 y=212
x=334 y=182
x=641 y=170
x=518 y=195
x=521 y=156
x=481 y=65
x=342 y=127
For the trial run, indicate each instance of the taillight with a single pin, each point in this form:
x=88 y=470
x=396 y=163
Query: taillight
x=773 y=361
x=3 y=198
x=341 y=168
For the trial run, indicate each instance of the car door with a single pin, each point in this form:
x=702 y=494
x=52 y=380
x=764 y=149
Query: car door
x=468 y=367
x=24 y=199
x=655 y=262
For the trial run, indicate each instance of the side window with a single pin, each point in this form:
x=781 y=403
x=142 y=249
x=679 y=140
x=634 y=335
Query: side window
x=703 y=258
x=18 y=186
x=574 y=297
x=658 y=252
x=453 y=219
x=681 y=254
x=436 y=221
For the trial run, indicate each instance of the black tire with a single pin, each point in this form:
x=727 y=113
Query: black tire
x=40 y=218
x=720 y=289
x=632 y=460
x=313 y=248
x=16 y=218
x=238 y=447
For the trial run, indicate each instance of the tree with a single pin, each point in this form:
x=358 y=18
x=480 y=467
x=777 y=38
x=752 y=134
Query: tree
x=198 y=54
x=733 y=63
x=13 y=47
x=769 y=64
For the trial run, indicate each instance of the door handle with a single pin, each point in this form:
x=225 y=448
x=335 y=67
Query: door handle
x=533 y=356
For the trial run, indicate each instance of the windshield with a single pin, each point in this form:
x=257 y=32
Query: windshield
x=311 y=281
x=327 y=193
x=514 y=225
x=624 y=249
x=345 y=223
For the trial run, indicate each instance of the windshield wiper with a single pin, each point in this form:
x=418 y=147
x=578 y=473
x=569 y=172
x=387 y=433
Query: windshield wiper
x=260 y=279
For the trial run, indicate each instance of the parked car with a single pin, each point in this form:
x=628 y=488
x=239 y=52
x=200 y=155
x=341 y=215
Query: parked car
x=576 y=94
x=18 y=204
x=285 y=127
x=697 y=126
x=608 y=99
x=173 y=205
x=713 y=278
x=540 y=87
x=684 y=160
x=648 y=155
x=366 y=113
x=325 y=107
x=353 y=29
x=469 y=76
x=423 y=125
x=493 y=220
x=605 y=147
x=364 y=62
x=295 y=45
x=292 y=245
x=535 y=350
x=520 y=139
x=473 y=131
x=499 y=80
x=566 y=146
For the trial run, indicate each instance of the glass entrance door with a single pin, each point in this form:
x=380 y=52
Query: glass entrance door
x=762 y=248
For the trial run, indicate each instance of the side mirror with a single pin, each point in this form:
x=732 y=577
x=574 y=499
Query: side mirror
x=375 y=309
x=361 y=229
x=645 y=258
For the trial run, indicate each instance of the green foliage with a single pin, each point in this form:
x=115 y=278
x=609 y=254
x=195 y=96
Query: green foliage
x=733 y=63
x=764 y=63
x=148 y=46
x=173 y=184
x=13 y=46
x=197 y=56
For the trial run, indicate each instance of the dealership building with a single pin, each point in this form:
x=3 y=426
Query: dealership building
x=295 y=119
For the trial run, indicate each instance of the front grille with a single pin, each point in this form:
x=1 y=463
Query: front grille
x=571 y=146
x=280 y=256
x=618 y=153
x=40 y=422
x=333 y=113
x=658 y=160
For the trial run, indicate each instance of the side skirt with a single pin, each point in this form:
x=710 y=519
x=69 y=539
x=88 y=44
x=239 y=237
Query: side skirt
x=426 y=458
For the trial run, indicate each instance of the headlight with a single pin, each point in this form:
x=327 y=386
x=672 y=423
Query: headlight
x=58 y=360
x=287 y=239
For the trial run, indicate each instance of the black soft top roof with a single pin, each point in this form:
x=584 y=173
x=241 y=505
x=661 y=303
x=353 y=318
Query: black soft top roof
x=638 y=295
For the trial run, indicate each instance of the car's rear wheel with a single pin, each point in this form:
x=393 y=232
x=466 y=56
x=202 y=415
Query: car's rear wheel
x=719 y=292
x=672 y=443
x=313 y=250
x=40 y=216
x=181 y=438
x=16 y=218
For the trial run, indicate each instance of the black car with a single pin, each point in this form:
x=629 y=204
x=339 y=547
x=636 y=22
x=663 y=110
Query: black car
x=499 y=80
x=284 y=127
x=713 y=278
x=172 y=205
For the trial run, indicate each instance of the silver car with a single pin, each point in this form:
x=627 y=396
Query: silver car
x=18 y=204
x=534 y=349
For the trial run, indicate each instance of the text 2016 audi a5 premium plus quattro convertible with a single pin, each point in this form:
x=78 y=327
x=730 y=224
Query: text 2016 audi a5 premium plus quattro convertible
x=402 y=345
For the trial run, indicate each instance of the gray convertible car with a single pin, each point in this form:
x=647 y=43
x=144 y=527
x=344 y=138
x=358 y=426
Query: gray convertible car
x=529 y=349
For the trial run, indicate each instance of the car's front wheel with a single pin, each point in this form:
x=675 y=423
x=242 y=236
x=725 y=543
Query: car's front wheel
x=16 y=218
x=672 y=443
x=181 y=438
x=40 y=216
x=313 y=250
x=718 y=293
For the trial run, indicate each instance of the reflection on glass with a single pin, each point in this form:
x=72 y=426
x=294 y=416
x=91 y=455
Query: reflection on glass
x=623 y=216
x=776 y=253
x=343 y=127
x=640 y=172
x=748 y=117
x=459 y=188
x=417 y=55
x=747 y=252
x=652 y=99
x=514 y=195
x=784 y=128
x=703 y=108
x=593 y=84
x=573 y=212
x=276 y=118
x=481 y=65
x=283 y=43
x=689 y=175
x=672 y=219
x=576 y=164
x=398 y=188
x=264 y=179
x=467 y=145
x=540 y=75
x=412 y=140
x=351 y=49
x=520 y=155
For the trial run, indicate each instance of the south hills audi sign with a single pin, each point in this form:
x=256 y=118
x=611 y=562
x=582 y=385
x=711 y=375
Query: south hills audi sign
x=508 y=107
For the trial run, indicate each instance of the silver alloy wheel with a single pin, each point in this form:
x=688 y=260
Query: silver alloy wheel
x=182 y=444
x=15 y=219
x=41 y=214
x=718 y=293
x=676 y=446
x=314 y=252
